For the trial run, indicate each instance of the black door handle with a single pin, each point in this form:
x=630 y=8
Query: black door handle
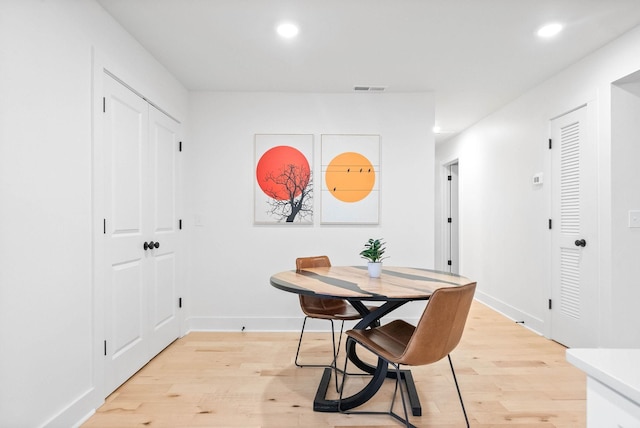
x=581 y=243
x=150 y=245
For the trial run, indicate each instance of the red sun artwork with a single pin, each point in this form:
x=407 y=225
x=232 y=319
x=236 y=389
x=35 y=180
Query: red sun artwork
x=282 y=170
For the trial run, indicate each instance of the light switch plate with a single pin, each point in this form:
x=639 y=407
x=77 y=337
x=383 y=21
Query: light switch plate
x=538 y=179
x=634 y=218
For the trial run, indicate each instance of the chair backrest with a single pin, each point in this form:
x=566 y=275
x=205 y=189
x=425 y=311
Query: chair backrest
x=311 y=262
x=310 y=304
x=441 y=325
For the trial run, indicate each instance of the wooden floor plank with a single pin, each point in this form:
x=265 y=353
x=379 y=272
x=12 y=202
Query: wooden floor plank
x=509 y=376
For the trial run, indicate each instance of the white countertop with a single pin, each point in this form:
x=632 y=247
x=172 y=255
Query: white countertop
x=619 y=369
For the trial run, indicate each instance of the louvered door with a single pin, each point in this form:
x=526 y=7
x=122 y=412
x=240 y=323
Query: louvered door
x=573 y=302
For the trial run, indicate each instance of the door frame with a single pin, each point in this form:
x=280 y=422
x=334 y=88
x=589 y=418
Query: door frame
x=98 y=252
x=102 y=64
x=444 y=202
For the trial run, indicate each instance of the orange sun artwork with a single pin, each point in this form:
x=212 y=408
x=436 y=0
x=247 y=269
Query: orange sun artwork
x=350 y=177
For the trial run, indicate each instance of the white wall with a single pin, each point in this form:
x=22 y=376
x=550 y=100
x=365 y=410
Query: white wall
x=625 y=185
x=48 y=375
x=503 y=217
x=232 y=259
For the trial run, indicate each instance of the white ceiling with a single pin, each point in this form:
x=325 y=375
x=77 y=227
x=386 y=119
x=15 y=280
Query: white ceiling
x=475 y=55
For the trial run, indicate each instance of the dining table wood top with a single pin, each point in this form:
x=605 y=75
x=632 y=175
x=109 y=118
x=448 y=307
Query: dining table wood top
x=354 y=282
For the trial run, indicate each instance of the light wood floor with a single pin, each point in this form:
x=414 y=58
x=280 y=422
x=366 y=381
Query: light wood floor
x=508 y=375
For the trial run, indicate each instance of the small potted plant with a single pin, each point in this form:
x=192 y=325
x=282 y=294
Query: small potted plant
x=374 y=252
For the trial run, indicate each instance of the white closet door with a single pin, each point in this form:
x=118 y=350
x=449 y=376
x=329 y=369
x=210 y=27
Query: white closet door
x=126 y=226
x=163 y=171
x=141 y=303
x=574 y=232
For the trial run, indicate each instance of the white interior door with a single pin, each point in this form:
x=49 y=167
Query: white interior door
x=163 y=170
x=125 y=146
x=573 y=301
x=140 y=227
x=452 y=238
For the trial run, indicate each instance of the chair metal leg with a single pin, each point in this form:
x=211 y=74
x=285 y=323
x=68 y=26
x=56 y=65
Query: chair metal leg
x=404 y=420
x=300 y=342
x=344 y=379
x=404 y=402
x=333 y=340
x=396 y=416
x=336 y=350
x=336 y=353
x=458 y=388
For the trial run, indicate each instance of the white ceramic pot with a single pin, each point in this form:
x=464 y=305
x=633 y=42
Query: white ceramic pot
x=375 y=269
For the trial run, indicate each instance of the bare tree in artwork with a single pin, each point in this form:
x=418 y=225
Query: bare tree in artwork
x=290 y=189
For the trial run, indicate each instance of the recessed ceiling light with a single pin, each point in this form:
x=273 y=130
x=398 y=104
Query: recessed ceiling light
x=549 y=30
x=437 y=129
x=287 y=30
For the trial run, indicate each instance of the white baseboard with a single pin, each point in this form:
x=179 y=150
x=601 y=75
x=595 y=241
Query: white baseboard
x=77 y=412
x=266 y=324
x=244 y=324
x=527 y=320
x=283 y=324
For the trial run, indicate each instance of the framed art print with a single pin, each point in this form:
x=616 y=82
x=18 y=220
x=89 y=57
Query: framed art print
x=350 y=179
x=283 y=190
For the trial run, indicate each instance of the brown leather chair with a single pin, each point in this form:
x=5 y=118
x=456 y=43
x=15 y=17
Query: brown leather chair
x=324 y=308
x=438 y=332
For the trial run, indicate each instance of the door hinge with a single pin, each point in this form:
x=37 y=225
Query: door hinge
x=180 y=224
x=180 y=302
x=104 y=226
x=449 y=220
x=105 y=348
x=449 y=178
x=180 y=146
x=550 y=224
x=550 y=304
x=550 y=143
x=449 y=262
x=104 y=104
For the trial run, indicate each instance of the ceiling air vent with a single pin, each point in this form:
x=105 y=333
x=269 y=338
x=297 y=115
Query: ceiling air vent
x=369 y=88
